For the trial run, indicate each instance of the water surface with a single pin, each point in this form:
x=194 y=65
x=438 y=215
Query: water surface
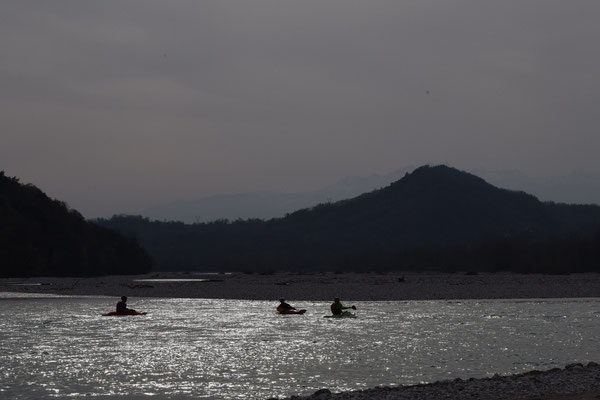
x=226 y=349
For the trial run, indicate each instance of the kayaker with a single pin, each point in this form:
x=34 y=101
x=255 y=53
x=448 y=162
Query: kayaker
x=337 y=307
x=284 y=306
x=122 y=306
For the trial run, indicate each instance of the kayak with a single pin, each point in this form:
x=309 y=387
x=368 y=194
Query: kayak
x=345 y=314
x=292 y=312
x=282 y=311
x=116 y=314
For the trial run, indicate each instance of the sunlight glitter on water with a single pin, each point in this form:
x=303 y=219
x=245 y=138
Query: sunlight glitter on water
x=196 y=348
x=167 y=280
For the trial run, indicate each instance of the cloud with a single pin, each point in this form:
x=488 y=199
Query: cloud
x=272 y=95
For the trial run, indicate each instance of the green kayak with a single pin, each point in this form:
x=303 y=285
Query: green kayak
x=345 y=314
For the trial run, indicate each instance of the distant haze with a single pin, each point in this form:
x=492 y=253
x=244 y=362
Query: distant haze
x=124 y=106
x=573 y=189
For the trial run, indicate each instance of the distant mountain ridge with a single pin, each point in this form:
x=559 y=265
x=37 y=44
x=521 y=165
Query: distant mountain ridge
x=429 y=211
x=266 y=205
x=575 y=188
x=42 y=237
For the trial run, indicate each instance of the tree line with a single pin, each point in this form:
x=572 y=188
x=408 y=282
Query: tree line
x=40 y=236
x=253 y=245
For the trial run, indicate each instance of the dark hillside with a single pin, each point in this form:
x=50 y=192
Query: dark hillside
x=42 y=237
x=433 y=205
x=434 y=218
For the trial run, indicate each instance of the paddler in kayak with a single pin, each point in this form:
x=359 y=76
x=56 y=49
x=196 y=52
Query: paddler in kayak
x=283 y=307
x=122 y=307
x=337 y=308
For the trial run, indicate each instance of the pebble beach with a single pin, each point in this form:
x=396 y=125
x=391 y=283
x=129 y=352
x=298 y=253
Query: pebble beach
x=319 y=286
x=574 y=382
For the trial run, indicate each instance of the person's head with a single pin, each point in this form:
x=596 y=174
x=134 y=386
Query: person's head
x=282 y=300
x=124 y=298
x=337 y=299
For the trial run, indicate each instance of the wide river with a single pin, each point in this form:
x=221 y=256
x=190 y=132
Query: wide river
x=226 y=349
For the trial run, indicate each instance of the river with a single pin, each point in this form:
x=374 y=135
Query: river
x=61 y=346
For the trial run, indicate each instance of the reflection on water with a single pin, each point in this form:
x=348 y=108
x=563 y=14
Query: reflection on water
x=196 y=348
x=22 y=284
x=171 y=280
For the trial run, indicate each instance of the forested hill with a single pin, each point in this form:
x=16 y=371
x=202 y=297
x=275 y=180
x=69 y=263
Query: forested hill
x=433 y=218
x=42 y=237
x=442 y=205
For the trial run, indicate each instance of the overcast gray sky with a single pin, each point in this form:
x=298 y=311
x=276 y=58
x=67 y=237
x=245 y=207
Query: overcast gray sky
x=115 y=106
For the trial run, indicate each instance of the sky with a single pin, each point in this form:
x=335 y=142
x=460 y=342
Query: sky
x=116 y=106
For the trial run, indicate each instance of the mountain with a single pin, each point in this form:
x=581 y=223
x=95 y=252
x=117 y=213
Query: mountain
x=266 y=205
x=574 y=187
x=433 y=205
x=435 y=217
x=43 y=237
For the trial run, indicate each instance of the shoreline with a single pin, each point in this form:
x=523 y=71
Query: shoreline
x=392 y=286
x=574 y=382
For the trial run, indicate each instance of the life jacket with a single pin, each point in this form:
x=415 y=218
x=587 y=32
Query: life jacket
x=121 y=307
x=335 y=310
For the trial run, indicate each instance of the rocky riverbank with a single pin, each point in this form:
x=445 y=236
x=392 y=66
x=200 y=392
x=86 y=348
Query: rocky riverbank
x=575 y=381
x=320 y=286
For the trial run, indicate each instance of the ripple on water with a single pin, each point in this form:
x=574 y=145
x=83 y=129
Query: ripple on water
x=195 y=348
